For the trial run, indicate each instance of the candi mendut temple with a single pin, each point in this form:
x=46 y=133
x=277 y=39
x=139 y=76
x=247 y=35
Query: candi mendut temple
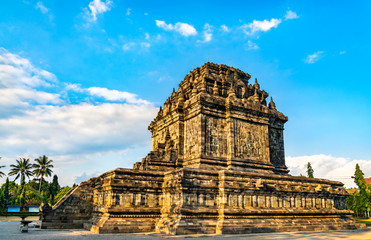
x=217 y=166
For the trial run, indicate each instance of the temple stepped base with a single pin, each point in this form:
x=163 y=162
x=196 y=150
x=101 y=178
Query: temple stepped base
x=124 y=225
x=199 y=201
x=245 y=226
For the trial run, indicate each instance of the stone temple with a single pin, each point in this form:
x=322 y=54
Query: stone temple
x=217 y=166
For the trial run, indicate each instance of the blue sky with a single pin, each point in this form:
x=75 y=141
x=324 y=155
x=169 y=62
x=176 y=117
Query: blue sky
x=81 y=80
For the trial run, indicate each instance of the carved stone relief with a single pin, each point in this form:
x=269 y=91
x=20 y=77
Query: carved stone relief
x=215 y=137
x=250 y=140
x=192 y=139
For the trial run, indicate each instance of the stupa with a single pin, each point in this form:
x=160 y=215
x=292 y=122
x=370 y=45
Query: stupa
x=217 y=166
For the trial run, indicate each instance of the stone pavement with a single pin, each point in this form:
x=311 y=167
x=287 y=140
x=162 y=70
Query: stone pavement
x=9 y=231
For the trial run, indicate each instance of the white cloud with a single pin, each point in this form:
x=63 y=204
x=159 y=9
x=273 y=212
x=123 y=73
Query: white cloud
x=76 y=129
x=224 y=28
x=261 y=26
x=115 y=95
x=312 y=58
x=83 y=177
x=146 y=36
x=328 y=167
x=98 y=7
x=128 y=46
x=128 y=11
x=207 y=34
x=36 y=117
x=184 y=29
x=136 y=45
x=41 y=7
x=342 y=52
x=145 y=45
x=163 y=25
x=20 y=84
x=251 y=45
x=290 y=15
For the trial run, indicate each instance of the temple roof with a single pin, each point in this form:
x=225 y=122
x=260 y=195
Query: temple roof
x=218 y=80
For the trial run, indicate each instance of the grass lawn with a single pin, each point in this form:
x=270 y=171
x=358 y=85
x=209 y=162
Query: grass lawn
x=365 y=221
x=15 y=218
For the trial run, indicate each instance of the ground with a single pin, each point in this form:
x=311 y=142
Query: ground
x=9 y=230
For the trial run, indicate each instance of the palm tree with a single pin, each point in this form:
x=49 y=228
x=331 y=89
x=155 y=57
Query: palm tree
x=42 y=168
x=2 y=173
x=21 y=169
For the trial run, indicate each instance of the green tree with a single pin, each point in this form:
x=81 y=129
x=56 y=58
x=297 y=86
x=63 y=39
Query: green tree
x=2 y=201
x=310 y=170
x=10 y=189
x=2 y=173
x=21 y=199
x=6 y=191
x=61 y=194
x=363 y=204
x=42 y=168
x=21 y=169
x=359 y=179
x=54 y=188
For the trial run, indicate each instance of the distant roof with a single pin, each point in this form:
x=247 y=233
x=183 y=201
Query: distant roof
x=352 y=190
x=368 y=180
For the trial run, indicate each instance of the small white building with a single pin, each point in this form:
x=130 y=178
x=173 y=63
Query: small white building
x=14 y=208
x=33 y=208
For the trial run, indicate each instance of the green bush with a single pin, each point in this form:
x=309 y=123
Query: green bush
x=61 y=194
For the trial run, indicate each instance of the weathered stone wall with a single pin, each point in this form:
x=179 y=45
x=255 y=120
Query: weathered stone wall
x=192 y=140
x=72 y=211
x=127 y=201
x=201 y=201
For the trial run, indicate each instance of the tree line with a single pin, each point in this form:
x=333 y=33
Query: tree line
x=34 y=192
x=360 y=200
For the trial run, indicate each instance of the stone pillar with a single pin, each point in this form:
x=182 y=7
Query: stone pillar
x=287 y=202
x=308 y=202
x=298 y=201
x=328 y=203
x=274 y=201
x=293 y=202
x=254 y=200
x=261 y=201
x=138 y=199
x=201 y=200
x=268 y=201
x=230 y=125
x=240 y=201
x=247 y=202
x=280 y=201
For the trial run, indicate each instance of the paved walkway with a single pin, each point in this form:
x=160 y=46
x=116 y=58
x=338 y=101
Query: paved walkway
x=9 y=230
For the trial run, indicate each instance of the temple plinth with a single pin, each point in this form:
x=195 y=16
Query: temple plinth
x=217 y=165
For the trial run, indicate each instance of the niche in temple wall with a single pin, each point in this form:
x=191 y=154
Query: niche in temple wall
x=250 y=141
x=192 y=137
x=276 y=148
x=215 y=137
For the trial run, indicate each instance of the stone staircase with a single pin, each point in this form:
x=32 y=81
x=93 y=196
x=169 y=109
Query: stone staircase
x=71 y=211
